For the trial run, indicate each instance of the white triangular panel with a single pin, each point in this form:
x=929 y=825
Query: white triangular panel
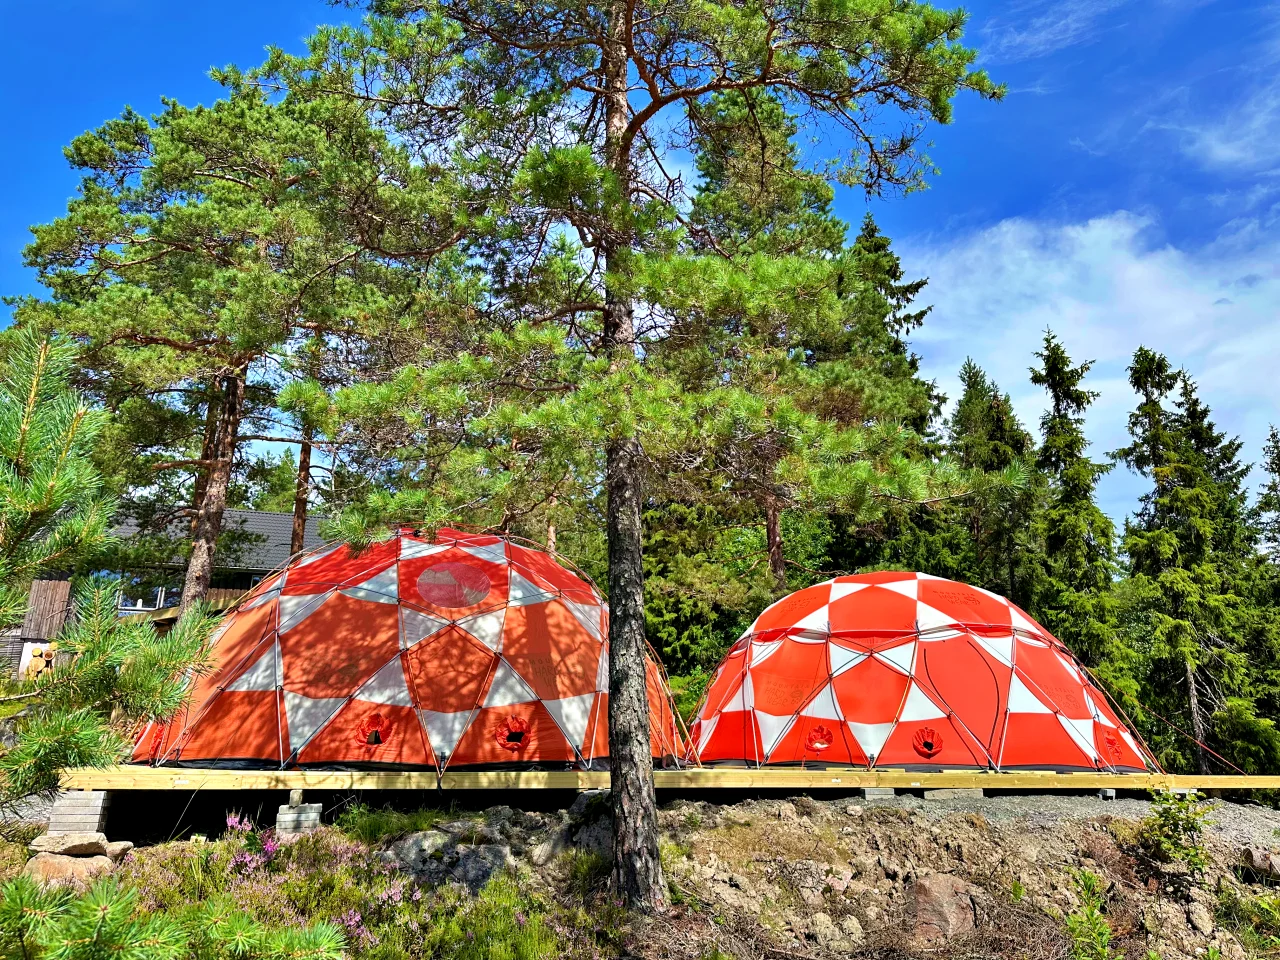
x=571 y=715
x=817 y=621
x=928 y=576
x=266 y=596
x=999 y=647
x=602 y=672
x=772 y=729
x=386 y=686
x=1021 y=622
x=412 y=550
x=871 y=736
x=589 y=615
x=902 y=656
x=295 y=609
x=918 y=706
x=760 y=652
x=842 y=658
x=260 y=676
x=908 y=588
x=704 y=733
x=1098 y=715
x=522 y=593
x=307 y=561
x=306 y=715
x=744 y=698
x=486 y=627
x=1022 y=700
x=1133 y=744
x=382 y=587
x=841 y=590
x=416 y=626
x=507 y=688
x=444 y=730
x=931 y=618
x=823 y=706
x=493 y=552
x=1069 y=666
x=1081 y=732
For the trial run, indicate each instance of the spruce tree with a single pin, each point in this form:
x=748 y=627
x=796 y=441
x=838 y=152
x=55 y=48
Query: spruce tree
x=1078 y=538
x=1188 y=551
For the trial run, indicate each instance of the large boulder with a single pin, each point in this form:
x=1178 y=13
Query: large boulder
x=72 y=844
x=944 y=908
x=477 y=863
x=422 y=853
x=55 y=869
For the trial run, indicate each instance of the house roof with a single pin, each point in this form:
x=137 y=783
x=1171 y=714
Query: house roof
x=260 y=543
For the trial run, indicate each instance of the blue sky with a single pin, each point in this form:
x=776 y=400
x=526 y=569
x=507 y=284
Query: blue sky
x=1126 y=192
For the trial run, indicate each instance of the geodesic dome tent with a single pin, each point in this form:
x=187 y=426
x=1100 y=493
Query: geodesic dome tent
x=457 y=650
x=912 y=671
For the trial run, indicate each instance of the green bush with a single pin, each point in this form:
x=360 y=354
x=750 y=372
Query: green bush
x=1254 y=920
x=1087 y=926
x=1174 y=831
x=107 y=922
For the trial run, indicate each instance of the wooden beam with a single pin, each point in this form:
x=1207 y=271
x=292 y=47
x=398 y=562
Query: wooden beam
x=129 y=777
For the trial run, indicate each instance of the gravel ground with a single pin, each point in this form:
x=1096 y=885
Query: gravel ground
x=1237 y=824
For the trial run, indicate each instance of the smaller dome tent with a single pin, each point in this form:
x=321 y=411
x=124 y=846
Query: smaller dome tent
x=910 y=671
x=418 y=652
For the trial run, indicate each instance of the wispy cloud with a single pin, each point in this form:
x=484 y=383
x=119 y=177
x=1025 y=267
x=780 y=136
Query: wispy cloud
x=1107 y=286
x=1035 y=28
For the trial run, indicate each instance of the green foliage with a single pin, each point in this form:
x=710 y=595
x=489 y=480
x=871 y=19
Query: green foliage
x=252 y=882
x=588 y=873
x=1253 y=919
x=53 y=512
x=1173 y=831
x=1087 y=925
x=372 y=826
x=106 y=921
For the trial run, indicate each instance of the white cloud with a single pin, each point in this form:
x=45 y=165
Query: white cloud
x=1105 y=287
x=1036 y=28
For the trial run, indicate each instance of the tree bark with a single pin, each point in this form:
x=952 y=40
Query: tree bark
x=208 y=523
x=212 y=418
x=637 y=869
x=773 y=537
x=1197 y=721
x=551 y=527
x=301 y=492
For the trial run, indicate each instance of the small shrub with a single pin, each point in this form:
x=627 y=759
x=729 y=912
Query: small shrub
x=588 y=873
x=1087 y=926
x=1254 y=920
x=1174 y=831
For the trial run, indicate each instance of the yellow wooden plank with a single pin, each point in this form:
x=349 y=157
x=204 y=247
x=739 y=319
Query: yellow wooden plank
x=130 y=777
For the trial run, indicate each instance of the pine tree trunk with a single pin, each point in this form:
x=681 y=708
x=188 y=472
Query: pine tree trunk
x=773 y=537
x=209 y=512
x=212 y=417
x=637 y=870
x=551 y=526
x=301 y=490
x=1197 y=721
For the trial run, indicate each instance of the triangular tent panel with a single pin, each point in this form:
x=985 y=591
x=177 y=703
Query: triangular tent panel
x=457 y=650
x=907 y=671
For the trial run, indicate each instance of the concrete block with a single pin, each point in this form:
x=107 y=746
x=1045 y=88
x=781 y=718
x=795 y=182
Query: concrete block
x=1107 y=793
x=302 y=818
x=79 y=811
x=869 y=793
x=954 y=793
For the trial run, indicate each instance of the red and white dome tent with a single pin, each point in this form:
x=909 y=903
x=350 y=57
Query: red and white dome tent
x=418 y=652
x=910 y=671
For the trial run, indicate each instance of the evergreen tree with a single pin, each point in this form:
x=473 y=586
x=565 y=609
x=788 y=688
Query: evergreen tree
x=53 y=513
x=1189 y=551
x=109 y=674
x=1078 y=537
x=1268 y=505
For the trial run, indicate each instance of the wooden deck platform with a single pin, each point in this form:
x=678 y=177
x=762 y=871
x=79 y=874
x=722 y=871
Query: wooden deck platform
x=722 y=778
